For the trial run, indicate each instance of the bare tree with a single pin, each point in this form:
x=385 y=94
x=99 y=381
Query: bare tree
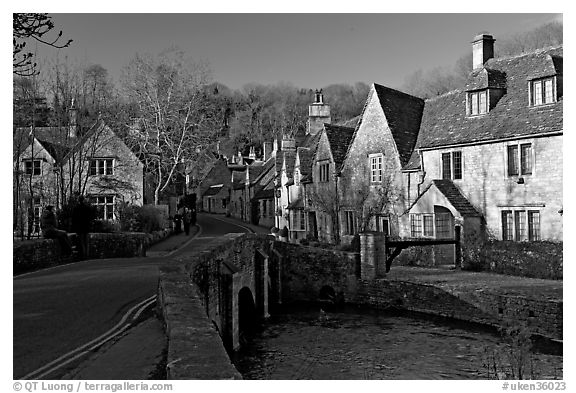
x=35 y=27
x=173 y=124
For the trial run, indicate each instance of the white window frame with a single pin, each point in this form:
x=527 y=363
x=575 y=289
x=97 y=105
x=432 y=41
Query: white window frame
x=542 y=91
x=474 y=104
x=519 y=145
x=102 y=166
x=107 y=207
x=376 y=165
x=298 y=220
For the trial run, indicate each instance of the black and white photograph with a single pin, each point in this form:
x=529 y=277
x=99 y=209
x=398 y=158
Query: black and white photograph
x=308 y=195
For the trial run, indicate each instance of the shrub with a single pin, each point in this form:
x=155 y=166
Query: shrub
x=135 y=218
x=105 y=226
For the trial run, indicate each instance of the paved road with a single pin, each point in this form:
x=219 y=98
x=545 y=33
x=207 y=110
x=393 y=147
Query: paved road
x=57 y=310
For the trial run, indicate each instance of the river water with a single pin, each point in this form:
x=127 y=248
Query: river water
x=307 y=343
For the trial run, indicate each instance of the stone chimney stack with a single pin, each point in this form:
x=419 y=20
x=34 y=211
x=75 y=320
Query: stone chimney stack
x=482 y=50
x=318 y=114
x=288 y=143
x=73 y=125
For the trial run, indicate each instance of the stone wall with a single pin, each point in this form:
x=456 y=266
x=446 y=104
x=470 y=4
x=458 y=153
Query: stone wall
x=487 y=186
x=29 y=255
x=306 y=270
x=527 y=259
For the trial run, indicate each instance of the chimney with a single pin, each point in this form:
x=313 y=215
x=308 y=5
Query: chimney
x=267 y=151
x=482 y=50
x=252 y=154
x=288 y=143
x=73 y=125
x=318 y=114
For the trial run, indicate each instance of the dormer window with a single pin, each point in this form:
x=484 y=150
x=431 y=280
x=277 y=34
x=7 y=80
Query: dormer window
x=477 y=102
x=542 y=91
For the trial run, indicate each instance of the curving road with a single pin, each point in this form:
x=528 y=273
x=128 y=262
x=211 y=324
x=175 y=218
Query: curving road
x=59 y=309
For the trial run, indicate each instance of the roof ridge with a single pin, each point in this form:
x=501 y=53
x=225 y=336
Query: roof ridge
x=523 y=54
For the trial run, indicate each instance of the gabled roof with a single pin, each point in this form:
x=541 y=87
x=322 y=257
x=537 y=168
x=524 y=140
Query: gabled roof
x=58 y=152
x=290 y=159
x=219 y=174
x=403 y=114
x=445 y=122
x=453 y=194
x=339 y=139
x=306 y=156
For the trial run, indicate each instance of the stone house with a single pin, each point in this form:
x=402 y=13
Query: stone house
x=489 y=157
x=214 y=189
x=53 y=163
x=372 y=189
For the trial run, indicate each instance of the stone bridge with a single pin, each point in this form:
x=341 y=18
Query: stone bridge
x=241 y=277
x=212 y=297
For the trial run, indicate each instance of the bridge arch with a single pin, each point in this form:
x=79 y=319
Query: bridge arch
x=247 y=316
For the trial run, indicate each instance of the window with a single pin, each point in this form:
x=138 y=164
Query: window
x=33 y=167
x=37 y=214
x=105 y=206
x=349 y=223
x=428 y=220
x=101 y=166
x=324 y=170
x=542 y=92
x=507 y=225
x=416 y=225
x=452 y=165
x=383 y=224
x=376 y=168
x=521 y=225
x=533 y=225
x=477 y=103
x=443 y=224
x=298 y=220
x=519 y=164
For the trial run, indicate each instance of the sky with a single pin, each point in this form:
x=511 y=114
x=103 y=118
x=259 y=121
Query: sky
x=306 y=50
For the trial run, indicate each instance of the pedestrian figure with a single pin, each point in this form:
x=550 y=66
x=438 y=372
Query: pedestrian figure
x=177 y=223
x=49 y=224
x=82 y=216
x=186 y=219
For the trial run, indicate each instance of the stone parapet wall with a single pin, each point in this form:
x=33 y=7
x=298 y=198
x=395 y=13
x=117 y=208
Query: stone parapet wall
x=195 y=349
x=29 y=255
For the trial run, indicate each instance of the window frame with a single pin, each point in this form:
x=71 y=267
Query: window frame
x=382 y=223
x=521 y=224
x=323 y=172
x=31 y=162
x=540 y=93
x=523 y=164
x=106 y=165
x=453 y=169
x=376 y=167
x=349 y=222
x=474 y=106
x=106 y=206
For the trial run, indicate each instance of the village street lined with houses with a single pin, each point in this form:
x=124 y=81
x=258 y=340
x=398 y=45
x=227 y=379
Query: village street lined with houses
x=344 y=232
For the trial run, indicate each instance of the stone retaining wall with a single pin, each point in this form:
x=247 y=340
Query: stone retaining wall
x=30 y=255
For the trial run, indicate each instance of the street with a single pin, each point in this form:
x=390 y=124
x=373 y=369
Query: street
x=59 y=309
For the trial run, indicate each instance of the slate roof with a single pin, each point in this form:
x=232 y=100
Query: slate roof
x=265 y=193
x=306 y=160
x=453 y=194
x=58 y=152
x=212 y=191
x=339 y=138
x=445 y=122
x=486 y=78
x=403 y=113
